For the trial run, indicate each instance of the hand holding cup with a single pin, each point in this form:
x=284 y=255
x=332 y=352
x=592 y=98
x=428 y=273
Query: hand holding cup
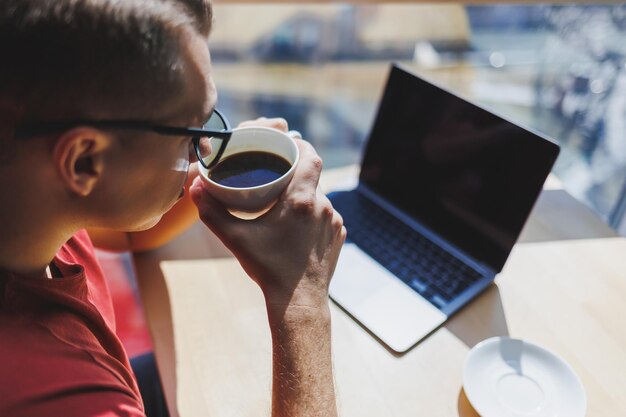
x=292 y=250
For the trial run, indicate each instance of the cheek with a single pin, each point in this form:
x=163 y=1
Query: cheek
x=181 y=164
x=180 y=161
x=178 y=167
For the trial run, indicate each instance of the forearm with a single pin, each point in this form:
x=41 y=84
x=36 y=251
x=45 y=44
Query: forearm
x=302 y=363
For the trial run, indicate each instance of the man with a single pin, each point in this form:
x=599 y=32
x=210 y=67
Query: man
x=73 y=72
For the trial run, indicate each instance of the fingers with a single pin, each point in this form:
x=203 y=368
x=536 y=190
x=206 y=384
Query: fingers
x=212 y=212
x=275 y=122
x=307 y=174
x=336 y=231
x=336 y=220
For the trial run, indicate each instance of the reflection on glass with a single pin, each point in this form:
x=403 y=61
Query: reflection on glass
x=558 y=69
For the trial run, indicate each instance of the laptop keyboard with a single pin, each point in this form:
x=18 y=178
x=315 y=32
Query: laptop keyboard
x=424 y=266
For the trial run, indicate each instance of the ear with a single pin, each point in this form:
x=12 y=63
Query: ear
x=79 y=157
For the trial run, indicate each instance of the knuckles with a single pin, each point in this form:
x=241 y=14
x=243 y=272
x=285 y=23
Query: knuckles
x=304 y=206
x=327 y=210
x=337 y=222
x=314 y=205
x=309 y=150
x=317 y=162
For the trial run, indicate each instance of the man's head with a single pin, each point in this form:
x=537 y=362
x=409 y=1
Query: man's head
x=92 y=58
x=102 y=59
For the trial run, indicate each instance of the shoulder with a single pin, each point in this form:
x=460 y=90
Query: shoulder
x=55 y=378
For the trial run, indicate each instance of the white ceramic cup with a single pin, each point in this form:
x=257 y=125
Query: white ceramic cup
x=258 y=199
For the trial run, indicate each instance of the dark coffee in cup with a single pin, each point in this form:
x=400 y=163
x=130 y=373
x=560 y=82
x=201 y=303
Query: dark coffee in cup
x=249 y=169
x=257 y=165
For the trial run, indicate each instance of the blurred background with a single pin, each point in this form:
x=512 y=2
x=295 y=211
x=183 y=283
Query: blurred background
x=557 y=69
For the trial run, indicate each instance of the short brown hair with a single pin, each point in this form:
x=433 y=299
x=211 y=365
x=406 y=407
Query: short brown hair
x=201 y=11
x=92 y=58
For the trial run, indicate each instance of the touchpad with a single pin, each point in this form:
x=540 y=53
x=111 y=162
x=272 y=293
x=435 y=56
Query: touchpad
x=380 y=301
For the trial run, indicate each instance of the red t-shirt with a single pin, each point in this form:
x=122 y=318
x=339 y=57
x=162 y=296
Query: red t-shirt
x=59 y=355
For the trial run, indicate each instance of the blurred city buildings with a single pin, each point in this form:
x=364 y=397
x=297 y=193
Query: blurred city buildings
x=557 y=69
x=335 y=32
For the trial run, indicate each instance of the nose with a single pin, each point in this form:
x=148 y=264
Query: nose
x=192 y=153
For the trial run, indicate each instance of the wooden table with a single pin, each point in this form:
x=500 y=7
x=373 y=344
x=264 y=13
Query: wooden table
x=564 y=287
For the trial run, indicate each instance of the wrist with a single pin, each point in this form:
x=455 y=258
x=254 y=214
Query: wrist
x=309 y=296
x=298 y=315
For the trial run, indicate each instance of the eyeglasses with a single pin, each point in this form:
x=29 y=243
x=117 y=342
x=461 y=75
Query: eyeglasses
x=209 y=141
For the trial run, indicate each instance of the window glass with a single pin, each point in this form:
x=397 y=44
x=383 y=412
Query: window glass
x=558 y=69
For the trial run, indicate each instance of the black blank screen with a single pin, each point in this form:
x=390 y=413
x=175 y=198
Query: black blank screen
x=467 y=174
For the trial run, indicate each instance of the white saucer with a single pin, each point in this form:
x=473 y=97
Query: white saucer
x=506 y=377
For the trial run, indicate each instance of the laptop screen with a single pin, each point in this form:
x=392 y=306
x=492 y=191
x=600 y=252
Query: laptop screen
x=468 y=175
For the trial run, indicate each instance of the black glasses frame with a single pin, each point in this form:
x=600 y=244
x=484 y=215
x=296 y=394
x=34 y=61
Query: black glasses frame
x=45 y=128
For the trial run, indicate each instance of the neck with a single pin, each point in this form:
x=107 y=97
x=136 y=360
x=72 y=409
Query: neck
x=29 y=236
x=26 y=253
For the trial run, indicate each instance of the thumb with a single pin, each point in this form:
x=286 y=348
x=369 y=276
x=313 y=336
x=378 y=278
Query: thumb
x=212 y=212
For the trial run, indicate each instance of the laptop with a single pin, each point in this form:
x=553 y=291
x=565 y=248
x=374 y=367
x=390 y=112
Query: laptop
x=444 y=191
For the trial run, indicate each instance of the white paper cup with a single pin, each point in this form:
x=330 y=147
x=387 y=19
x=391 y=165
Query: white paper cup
x=260 y=198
